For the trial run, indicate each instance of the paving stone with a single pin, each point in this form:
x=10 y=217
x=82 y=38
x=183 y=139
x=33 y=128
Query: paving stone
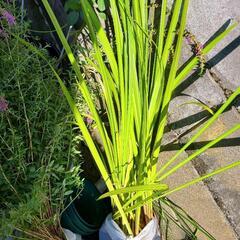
x=206 y=90
x=204 y=19
x=184 y=114
x=225 y=187
x=198 y=202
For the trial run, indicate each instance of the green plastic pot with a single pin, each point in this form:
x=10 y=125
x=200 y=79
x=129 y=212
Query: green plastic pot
x=85 y=215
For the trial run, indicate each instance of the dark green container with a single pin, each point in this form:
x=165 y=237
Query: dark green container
x=85 y=215
x=41 y=24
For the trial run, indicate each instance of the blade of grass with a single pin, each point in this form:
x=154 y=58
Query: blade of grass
x=200 y=104
x=183 y=186
x=204 y=177
x=82 y=84
x=196 y=153
x=172 y=31
x=179 y=211
x=203 y=129
x=140 y=188
x=170 y=84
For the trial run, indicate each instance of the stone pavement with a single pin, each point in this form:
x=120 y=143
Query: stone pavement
x=214 y=203
x=198 y=202
x=204 y=19
x=225 y=188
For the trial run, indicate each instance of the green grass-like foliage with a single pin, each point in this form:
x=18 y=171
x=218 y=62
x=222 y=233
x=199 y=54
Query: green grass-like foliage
x=138 y=65
x=37 y=143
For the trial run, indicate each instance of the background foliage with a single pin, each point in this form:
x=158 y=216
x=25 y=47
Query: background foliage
x=39 y=155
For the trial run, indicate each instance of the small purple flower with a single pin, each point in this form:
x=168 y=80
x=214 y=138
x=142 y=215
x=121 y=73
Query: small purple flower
x=3 y=104
x=9 y=18
x=88 y=120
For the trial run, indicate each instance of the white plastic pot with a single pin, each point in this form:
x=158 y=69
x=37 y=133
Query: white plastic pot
x=111 y=231
x=71 y=236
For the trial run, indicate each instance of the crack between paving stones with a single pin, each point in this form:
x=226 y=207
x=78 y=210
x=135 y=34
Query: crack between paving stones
x=202 y=168
x=227 y=92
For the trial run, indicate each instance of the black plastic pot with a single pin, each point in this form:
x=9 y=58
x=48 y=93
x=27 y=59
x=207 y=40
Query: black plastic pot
x=85 y=215
x=41 y=24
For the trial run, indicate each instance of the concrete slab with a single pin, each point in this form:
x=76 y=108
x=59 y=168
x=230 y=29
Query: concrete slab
x=225 y=187
x=198 y=202
x=206 y=90
x=204 y=19
x=184 y=113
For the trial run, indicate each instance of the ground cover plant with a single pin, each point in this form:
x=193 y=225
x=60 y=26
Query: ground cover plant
x=39 y=155
x=139 y=69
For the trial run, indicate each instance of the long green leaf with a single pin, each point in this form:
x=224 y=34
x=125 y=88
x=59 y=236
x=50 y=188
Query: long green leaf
x=195 y=154
x=156 y=196
x=203 y=129
x=87 y=96
x=140 y=188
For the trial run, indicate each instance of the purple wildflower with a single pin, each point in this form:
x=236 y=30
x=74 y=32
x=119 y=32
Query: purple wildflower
x=8 y=17
x=88 y=120
x=3 y=104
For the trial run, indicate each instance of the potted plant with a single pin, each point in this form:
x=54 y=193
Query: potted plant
x=138 y=64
